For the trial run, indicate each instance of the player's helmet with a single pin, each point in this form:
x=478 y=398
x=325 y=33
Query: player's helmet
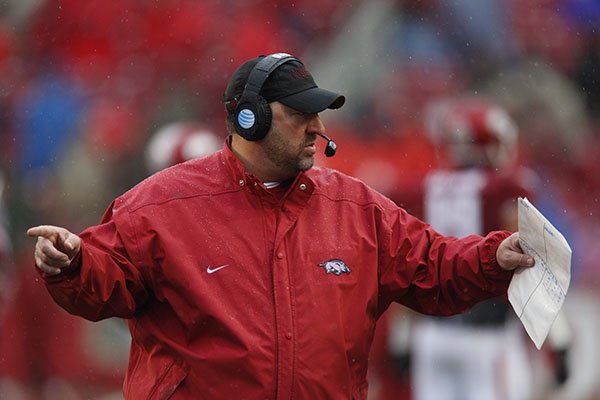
x=472 y=131
x=177 y=142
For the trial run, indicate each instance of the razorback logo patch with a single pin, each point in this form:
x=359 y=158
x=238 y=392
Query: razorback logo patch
x=336 y=267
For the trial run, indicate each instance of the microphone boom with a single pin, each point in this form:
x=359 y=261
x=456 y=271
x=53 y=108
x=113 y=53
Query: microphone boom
x=331 y=147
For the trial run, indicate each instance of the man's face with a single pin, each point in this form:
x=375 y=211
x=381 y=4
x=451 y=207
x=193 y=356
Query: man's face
x=290 y=144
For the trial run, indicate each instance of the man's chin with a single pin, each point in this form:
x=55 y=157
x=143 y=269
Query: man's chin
x=306 y=163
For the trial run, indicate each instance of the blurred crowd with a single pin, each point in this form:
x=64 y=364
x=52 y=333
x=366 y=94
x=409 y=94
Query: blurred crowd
x=95 y=96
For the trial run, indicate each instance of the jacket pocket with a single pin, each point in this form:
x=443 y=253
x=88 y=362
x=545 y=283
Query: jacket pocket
x=153 y=376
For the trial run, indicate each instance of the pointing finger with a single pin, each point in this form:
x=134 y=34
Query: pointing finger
x=46 y=231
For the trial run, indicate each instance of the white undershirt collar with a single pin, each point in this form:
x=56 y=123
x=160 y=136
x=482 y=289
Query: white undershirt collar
x=271 y=185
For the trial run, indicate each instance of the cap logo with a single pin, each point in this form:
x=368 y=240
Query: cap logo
x=300 y=73
x=246 y=118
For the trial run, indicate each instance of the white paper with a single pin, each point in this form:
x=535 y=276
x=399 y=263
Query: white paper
x=537 y=294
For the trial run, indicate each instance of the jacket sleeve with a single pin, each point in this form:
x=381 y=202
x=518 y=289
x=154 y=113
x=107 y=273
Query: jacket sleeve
x=435 y=274
x=102 y=280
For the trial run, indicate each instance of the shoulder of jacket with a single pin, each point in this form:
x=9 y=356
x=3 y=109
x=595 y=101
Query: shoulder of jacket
x=338 y=186
x=199 y=177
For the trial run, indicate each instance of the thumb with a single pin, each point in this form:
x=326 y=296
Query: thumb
x=516 y=259
x=510 y=255
x=64 y=238
x=69 y=242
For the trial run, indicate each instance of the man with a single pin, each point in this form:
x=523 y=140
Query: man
x=249 y=274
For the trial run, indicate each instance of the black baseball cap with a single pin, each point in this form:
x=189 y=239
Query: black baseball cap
x=290 y=84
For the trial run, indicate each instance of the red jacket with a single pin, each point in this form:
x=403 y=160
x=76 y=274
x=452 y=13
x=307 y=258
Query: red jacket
x=233 y=293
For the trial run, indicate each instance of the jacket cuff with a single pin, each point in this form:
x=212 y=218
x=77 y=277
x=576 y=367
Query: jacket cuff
x=489 y=261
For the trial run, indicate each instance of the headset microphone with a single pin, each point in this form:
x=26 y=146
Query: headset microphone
x=331 y=147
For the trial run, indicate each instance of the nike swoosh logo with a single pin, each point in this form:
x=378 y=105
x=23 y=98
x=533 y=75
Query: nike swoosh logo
x=212 y=271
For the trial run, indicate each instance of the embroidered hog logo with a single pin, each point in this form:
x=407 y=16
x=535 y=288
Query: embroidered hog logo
x=335 y=266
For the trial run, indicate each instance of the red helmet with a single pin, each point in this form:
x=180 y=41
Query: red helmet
x=472 y=131
x=178 y=142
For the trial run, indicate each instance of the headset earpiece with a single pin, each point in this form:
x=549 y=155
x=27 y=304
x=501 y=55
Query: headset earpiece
x=253 y=117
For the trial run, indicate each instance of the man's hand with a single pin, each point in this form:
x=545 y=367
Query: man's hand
x=56 y=247
x=510 y=255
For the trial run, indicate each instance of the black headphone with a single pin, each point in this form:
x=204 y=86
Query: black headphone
x=252 y=118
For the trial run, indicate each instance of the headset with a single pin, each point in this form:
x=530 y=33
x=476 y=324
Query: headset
x=252 y=118
x=253 y=114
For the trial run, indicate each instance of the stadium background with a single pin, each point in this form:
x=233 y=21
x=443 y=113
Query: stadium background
x=84 y=85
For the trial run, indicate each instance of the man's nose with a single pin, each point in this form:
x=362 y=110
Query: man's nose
x=316 y=125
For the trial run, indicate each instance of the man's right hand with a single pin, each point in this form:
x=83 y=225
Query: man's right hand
x=56 y=247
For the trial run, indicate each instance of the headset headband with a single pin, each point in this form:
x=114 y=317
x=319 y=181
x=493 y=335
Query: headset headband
x=262 y=70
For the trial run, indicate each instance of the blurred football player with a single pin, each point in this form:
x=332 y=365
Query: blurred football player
x=180 y=141
x=480 y=355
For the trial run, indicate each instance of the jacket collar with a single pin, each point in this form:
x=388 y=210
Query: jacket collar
x=245 y=179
